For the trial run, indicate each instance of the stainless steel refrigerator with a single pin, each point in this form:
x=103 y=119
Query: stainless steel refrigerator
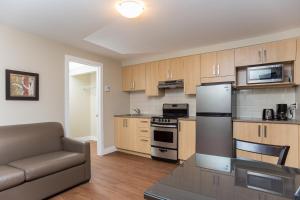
x=215 y=109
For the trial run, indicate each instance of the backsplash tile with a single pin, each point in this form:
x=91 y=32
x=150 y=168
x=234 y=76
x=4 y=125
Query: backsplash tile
x=153 y=105
x=250 y=103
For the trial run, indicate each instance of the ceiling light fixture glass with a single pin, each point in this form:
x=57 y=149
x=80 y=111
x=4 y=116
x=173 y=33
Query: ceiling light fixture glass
x=130 y=8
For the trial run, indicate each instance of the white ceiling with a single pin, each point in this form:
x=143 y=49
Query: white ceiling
x=166 y=26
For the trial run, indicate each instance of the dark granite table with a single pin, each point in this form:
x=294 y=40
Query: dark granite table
x=204 y=177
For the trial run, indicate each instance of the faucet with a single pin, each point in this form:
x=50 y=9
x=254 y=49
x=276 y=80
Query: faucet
x=137 y=111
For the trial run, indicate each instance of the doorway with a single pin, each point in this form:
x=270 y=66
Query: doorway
x=83 y=101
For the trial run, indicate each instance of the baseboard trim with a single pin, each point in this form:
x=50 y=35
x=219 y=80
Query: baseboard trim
x=87 y=138
x=134 y=153
x=109 y=150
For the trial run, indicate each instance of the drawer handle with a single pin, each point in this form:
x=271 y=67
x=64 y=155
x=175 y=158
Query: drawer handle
x=144 y=121
x=144 y=131
x=163 y=150
x=144 y=140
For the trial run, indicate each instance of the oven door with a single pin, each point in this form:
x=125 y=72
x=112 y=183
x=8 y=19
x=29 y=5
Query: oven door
x=164 y=136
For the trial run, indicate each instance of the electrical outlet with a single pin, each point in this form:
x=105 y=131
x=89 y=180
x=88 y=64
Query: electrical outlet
x=295 y=105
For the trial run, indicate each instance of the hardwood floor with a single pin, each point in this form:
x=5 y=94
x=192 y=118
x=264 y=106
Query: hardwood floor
x=118 y=176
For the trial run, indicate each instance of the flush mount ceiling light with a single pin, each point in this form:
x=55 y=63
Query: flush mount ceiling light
x=130 y=8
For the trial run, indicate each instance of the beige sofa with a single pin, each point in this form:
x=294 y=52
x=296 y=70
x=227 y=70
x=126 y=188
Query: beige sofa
x=37 y=161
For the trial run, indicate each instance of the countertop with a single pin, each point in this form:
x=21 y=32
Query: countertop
x=259 y=120
x=206 y=177
x=145 y=116
x=239 y=119
x=148 y=116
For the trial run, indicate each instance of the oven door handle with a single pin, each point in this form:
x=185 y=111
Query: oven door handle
x=163 y=126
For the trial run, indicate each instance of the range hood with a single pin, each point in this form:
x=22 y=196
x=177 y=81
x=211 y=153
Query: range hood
x=170 y=84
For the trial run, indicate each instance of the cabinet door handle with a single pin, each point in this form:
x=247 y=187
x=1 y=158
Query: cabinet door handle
x=214 y=69
x=218 y=68
x=179 y=126
x=218 y=180
x=259 y=130
x=133 y=85
x=260 y=56
x=214 y=179
x=265 y=55
x=265 y=131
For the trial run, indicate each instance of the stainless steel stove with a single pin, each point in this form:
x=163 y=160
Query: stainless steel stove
x=164 y=132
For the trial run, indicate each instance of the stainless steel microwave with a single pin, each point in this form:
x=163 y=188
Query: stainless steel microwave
x=265 y=74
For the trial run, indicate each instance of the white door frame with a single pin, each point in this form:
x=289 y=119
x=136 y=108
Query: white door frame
x=99 y=98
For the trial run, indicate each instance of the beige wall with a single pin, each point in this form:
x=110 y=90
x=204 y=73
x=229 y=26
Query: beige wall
x=82 y=108
x=28 y=52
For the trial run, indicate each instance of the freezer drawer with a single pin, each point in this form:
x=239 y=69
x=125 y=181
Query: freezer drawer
x=214 y=136
x=214 y=98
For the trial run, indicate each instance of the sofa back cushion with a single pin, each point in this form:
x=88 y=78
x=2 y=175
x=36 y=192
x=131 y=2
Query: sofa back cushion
x=23 y=141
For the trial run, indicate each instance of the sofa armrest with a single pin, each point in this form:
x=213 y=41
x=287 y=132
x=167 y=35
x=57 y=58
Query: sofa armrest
x=79 y=147
x=75 y=146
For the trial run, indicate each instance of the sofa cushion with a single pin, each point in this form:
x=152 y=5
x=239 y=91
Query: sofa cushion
x=10 y=177
x=46 y=164
x=31 y=140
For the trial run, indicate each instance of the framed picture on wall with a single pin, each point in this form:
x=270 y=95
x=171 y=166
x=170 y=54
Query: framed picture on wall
x=22 y=85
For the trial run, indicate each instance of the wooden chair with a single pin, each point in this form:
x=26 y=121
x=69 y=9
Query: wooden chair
x=271 y=150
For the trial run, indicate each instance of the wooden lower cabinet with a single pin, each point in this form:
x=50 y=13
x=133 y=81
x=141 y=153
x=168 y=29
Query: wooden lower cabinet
x=132 y=134
x=124 y=133
x=269 y=133
x=187 y=139
x=248 y=132
x=143 y=145
x=282 y=134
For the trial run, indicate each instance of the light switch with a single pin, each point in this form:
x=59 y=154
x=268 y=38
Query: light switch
x=107 y=88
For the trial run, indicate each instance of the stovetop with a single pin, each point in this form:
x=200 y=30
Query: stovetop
x=164 y=120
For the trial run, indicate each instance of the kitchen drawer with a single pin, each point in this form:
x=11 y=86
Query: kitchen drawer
x=143 y=145
x=144 y=132
x=143 y=123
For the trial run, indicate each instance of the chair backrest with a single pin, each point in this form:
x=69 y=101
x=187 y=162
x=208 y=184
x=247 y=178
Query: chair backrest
x=22 y=141
x=271 y=150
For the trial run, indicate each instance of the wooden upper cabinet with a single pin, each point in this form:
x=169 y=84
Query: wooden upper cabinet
x=134 y=78
x=280 y=51
x=139 y=77
x=176 y=71
x=251 y=55
x=170 y=69
x=225 y=61
x=127 y=79
x=208 y=65
x=191 y=73
x=272 y=52
x=218 y=67
x=152 y=78
x=163 y=70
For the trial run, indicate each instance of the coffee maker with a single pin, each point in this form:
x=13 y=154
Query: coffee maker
x=282 y=112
